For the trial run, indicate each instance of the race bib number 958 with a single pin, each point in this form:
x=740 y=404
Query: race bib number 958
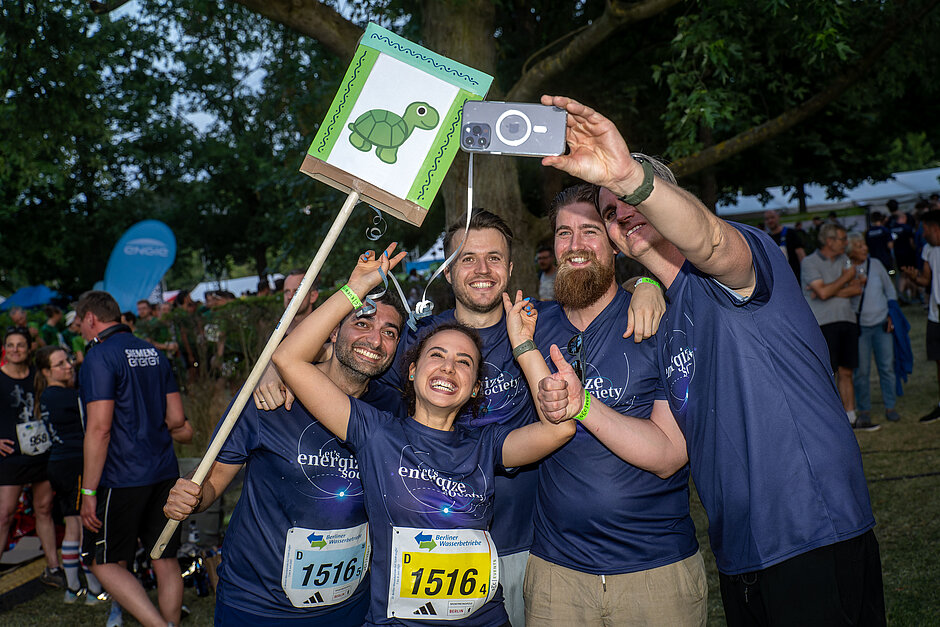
x=441 y=574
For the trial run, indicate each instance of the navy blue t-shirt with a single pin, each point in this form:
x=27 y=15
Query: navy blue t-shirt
x=508 y=402
x=61 y=410
x=773 y=457
x=878 y=238
x=297 y=475
x=418 y=477
x=596 y=513
x=137 y=377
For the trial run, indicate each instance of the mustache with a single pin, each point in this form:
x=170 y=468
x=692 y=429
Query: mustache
x=589 y=254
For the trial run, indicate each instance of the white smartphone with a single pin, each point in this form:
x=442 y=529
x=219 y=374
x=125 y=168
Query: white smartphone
x=513 y=128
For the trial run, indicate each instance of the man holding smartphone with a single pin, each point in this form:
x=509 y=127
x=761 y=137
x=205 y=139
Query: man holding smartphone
x=747 y=374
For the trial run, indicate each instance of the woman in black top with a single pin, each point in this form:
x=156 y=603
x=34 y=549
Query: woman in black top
x=61 y=411
x=23 y=446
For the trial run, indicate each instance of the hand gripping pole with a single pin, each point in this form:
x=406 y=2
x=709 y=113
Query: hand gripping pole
x=255 y=375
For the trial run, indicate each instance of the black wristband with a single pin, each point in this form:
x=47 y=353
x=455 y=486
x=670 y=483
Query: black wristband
x=642 y=192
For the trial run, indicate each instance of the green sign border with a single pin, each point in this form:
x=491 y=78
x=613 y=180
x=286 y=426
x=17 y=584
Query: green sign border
x=458 y=74
x=353 y=82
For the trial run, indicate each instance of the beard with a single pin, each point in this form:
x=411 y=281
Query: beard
x=577 y=288
x=357 y=369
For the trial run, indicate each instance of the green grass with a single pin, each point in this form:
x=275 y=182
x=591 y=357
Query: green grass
x=907 y=509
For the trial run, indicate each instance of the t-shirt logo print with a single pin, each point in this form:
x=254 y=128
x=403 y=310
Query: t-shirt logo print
x=430 y=492
x=331 y=469
x=679 y=359
x=141 y=357
x=499 y=387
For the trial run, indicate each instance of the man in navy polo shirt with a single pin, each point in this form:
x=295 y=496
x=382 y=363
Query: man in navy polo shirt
x=614 y=544
x=133 y=408
x=301 y=510
x=747 y=375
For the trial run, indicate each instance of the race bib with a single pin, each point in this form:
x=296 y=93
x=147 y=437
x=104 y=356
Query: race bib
x=324 y=567
x=33 y=437
x=441 y=574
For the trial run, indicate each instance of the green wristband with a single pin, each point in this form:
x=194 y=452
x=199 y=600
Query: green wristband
x=581 y=415
x=523 y=348
x=642 y=192
x=351 y=295
x=646 y=279
x=88 y=492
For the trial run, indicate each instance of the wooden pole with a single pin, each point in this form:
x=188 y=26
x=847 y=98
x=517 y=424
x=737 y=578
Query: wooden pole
x=255 y=375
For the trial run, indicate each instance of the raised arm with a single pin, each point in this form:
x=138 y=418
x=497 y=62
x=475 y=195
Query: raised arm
x=295 y=355
x=656 y=445
x=528 y=444
x=598 y=154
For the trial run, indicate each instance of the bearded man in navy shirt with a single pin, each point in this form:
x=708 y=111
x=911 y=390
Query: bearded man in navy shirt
x=614 y=543
x=747 y=374
x=301 y=511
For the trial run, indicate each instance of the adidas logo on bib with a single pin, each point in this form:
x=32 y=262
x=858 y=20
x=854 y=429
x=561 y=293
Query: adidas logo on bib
x=316 y=598
x=426 y=610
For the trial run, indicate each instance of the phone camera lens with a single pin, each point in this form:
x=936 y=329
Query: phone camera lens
x=477 y=130
x=483 y=141
x=468 y=141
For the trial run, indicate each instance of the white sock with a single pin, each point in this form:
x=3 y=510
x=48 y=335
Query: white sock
x=94 y=586
x=851 y=414
x=70 y=564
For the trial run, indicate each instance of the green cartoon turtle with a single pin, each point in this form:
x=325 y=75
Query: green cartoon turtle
x=387 y=131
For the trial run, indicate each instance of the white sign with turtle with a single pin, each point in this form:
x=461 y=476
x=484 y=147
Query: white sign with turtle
x=394 y=126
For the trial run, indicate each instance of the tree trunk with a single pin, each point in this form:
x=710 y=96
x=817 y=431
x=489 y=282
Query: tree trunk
x=463 y=31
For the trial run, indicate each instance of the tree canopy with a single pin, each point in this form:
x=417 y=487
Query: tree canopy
x=199 y=113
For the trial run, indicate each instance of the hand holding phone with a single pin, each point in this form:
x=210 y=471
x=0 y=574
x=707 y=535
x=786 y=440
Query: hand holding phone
x=513 y=128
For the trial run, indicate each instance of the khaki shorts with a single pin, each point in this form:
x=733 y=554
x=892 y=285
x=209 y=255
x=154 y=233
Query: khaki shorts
x=675 y=594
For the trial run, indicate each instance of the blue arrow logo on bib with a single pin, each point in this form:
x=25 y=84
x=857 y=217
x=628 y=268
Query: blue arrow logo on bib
x=316 y=541
x=425 y=541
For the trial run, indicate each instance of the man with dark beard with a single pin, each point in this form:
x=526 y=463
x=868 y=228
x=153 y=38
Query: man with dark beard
x=301 y=486
x=614 y=544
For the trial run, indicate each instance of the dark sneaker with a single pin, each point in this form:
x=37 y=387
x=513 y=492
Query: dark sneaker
x=54 y=577
x=865 y=426
x=892 y=415
x=931 y=417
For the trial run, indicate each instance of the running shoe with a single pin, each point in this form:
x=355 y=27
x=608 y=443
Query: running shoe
x=115 y=617
x=71 y=596
x=865 y=426
x=931 y=417
x=54 y=577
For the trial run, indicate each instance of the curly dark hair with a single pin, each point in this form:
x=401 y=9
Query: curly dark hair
x=475 y=404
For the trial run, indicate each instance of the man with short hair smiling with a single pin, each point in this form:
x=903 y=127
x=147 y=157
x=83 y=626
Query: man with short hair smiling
x=299 y=480
x=614 y=542
x=748 y=379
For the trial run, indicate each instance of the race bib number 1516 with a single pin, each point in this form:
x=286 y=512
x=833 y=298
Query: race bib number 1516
x=441 y=574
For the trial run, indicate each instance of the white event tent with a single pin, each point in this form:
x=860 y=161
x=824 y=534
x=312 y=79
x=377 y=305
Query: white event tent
x=904 y=187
